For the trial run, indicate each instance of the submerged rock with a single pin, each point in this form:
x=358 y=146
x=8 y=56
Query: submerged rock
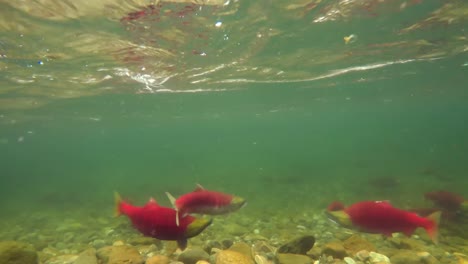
x=119 y=254
x=378 y=258
x=12 y=252
x=299 y=245
x=192 y=255
x=232 y=257
x=287 y=258
x=335 y=250
x=356 y=243
x=87 y=257
x=158 y=259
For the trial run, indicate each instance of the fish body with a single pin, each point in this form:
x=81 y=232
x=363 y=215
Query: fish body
x=381 y=217
x=158 y=221
x=202 y=201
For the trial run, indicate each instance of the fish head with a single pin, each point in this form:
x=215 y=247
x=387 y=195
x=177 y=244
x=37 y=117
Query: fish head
x=340 y=217
x=197 y=226
x=237 y=203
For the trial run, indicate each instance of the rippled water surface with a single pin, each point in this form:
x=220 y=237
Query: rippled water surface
x=291 y=104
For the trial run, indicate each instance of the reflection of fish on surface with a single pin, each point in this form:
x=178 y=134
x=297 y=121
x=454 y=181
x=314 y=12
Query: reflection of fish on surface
x=159 y=222
x=381 y=217
x=202 y=201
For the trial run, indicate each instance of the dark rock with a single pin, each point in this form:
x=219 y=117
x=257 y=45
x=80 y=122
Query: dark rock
x=192 y=255
x=226 y=243
x=299 y=245
x=210 y=244
x=12 y=252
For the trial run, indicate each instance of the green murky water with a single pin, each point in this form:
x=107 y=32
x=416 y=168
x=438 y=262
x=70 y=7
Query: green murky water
x=269 y=103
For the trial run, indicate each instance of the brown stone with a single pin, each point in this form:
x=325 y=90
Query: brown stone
x=287 y=258
x=406 y=257
x=299 y=245
x=119 y=255
x=158 y=259
x=13 y=252
x=87 y=257
x=242 y=248
x=334 y=249
x=356 y=243
x=232 y=257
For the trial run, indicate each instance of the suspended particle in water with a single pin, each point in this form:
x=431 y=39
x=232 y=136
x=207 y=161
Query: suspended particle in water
x=218 y=24
x=350 y=39
x=40 y=62
x=20 y=139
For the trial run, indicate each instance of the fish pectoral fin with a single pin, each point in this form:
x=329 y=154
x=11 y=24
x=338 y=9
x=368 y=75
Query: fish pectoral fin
x=177 y=218
x=182 y=243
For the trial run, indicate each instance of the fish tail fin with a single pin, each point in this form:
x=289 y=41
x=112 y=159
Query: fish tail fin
x=433 y=228
x=118 y=202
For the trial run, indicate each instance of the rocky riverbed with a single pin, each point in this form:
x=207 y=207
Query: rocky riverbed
x=235 y=239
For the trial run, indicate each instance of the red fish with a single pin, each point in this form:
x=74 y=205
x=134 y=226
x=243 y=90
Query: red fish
x=202 y=201
x=446 y=200
x=381 y=217
x=157 y=221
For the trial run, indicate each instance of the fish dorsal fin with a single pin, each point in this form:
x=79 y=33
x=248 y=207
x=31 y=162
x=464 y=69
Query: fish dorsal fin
x=152 y=201
x=385 y=203
x=199 y=188
x=172 y=199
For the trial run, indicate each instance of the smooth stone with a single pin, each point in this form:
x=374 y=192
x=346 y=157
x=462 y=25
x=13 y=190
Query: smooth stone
x=235 y=229
x=98 y=243
x=87 y=257
x=242 y=248
x=406 y=257
x=63 y=259
x=13 y=252
x=210 y=244
x=362 y=255
x=349 y=260
x=288 y=258
x=145 y=241
x=356 y=243
x=158 y=259
x=299 y=245
x=334 y=249
x=192 y=255
x=378 y=258
x=119 y=254
x=232 y=257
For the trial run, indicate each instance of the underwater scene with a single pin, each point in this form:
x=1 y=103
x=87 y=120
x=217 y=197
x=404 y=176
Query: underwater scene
x=234 y=132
